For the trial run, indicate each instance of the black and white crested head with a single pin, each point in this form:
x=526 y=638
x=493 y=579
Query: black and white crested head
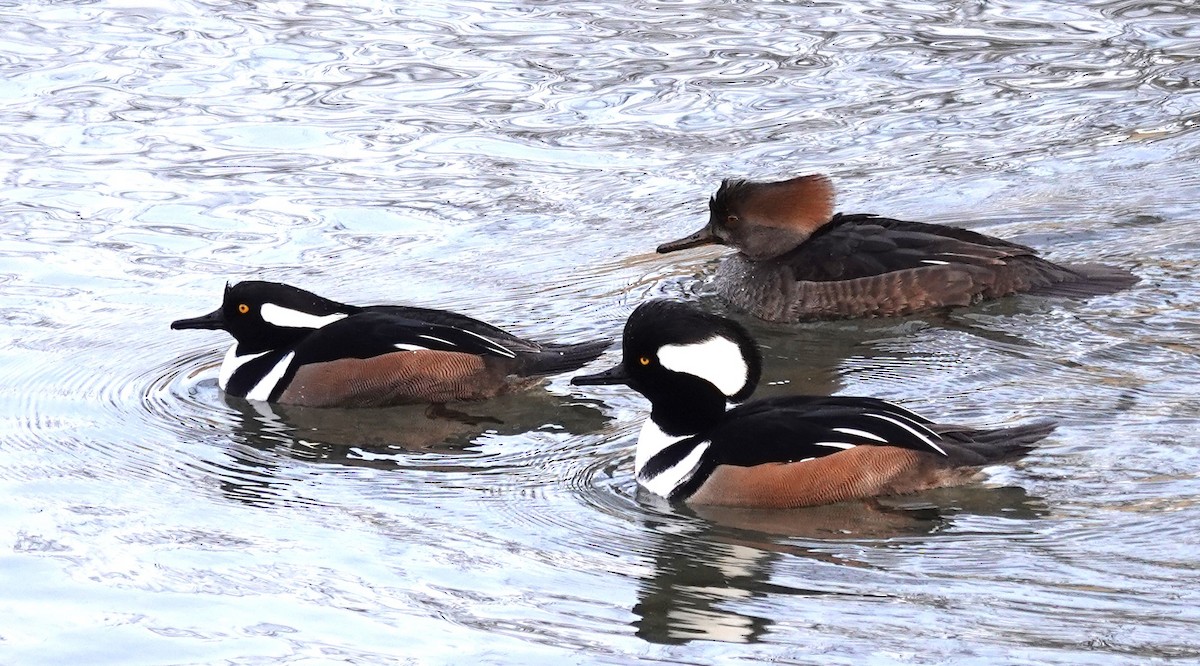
x=664 y=339
x=268 y=315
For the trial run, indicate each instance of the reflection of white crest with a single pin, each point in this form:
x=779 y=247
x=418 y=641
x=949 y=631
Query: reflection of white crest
x=718 y=360
x=289 y=318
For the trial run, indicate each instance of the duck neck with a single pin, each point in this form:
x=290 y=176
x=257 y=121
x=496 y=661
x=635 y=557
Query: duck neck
x=687 y=408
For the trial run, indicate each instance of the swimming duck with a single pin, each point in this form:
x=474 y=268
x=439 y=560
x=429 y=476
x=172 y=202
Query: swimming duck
x=783 y=451
x=295 y=347
x=797 y=260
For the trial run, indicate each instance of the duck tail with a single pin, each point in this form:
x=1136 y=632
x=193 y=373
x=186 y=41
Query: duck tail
x=1091 y=280
x=556 y=358
x=971 y=447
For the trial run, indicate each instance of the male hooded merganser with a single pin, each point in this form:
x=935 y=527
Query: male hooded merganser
x=295 y=347
x=796 y=260
x=778 y=452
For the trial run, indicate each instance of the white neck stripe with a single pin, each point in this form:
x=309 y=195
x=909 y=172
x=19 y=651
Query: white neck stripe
x=651 y=441
x=665 y=482
x=231 y=364
x=289 y=318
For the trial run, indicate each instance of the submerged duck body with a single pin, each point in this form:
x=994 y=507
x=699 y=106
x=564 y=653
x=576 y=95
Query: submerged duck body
x=778 y=452
x=796 y=260
x=295 y=347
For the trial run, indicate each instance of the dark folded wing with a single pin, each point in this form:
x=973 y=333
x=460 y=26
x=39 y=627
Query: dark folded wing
x=794 y=428
x=374 y=332
x=858 y=246
x=459 y=321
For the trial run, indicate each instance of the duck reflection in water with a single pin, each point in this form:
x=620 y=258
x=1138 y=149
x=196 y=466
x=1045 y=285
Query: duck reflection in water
x=712 y=566
x=392 y=438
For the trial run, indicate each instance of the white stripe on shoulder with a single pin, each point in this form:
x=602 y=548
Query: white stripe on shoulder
x=289 y=318
x=919 y=435
x=666 y=481
x=231 y=364
x=651 y=440
x=718 y=360
x=262 y=390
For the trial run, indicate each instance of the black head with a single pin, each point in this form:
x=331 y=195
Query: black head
x=268 y=315
x=763 y=220
x=687 y=362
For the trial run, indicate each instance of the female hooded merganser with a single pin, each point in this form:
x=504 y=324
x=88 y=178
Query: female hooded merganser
x=796 y=260
x=778 y=452
x=295 y=347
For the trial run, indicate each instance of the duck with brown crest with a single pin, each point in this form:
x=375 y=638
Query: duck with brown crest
x=797 y=260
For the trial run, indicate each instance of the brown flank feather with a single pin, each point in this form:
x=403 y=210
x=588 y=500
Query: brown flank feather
x=401 y=378
x=857 y=473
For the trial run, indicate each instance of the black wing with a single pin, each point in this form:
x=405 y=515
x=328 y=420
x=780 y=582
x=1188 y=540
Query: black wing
x=794 y=428
x=459 y=321
x=375 y=332
x=856 y=246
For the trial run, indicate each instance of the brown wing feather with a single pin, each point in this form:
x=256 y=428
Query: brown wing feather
x=768 y=291
x=857 y=473
x=403 y=377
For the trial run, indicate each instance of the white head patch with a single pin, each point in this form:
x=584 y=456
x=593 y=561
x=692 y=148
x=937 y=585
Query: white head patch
x=289 y=318
x=717 y=359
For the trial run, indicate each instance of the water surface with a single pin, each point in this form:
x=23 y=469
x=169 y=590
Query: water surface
x=519 y=162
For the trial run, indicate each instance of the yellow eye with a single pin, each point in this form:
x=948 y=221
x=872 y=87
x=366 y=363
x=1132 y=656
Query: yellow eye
x=645 y=360
x=243 y=308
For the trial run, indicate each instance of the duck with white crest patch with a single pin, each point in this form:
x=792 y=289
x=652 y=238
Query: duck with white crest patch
x=295 y=347
x=783 y=451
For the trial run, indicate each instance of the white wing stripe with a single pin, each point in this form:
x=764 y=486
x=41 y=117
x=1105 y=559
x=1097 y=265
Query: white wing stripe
x=835 y=445
x=921 y=436
x=493 y=345
x=430 y=337
x=403 y=347
x=853 y=432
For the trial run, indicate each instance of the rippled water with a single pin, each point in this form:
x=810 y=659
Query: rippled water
x=519 y=162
